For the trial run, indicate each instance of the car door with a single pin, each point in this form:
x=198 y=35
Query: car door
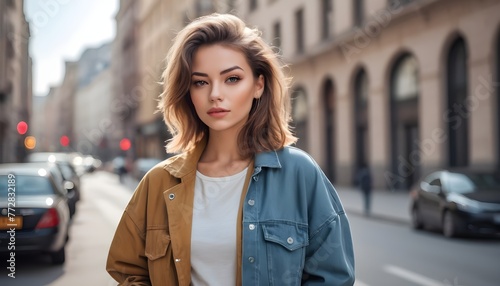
x=430 y=198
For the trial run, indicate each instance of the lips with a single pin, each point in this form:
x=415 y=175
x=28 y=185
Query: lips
x=216 y=110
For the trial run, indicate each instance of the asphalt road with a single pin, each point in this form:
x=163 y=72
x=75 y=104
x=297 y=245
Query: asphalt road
x=391 y=253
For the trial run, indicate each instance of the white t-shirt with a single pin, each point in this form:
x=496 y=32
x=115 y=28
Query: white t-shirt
x=213 y=237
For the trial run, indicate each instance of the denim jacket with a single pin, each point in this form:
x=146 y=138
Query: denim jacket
x=294 y=229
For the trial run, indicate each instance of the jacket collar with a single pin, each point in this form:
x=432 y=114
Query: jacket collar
x=185 y=163
x=267 y=159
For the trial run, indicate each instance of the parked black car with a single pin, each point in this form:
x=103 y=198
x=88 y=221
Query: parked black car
x=458 y=203
x=36 y=206
x=69 y=174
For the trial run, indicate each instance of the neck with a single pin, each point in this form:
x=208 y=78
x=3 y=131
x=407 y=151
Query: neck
x=221 y=156
x=222 y=147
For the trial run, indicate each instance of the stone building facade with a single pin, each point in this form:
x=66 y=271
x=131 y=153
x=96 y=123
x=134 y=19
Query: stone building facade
x=404 y=87
x=95 y=128
x=15 y=79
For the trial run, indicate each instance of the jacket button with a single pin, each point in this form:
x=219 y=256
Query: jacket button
x=251 y=226
x=171 y=196
x=251 y=259
x=289 y=240
x=177 y=260
x=251 y=202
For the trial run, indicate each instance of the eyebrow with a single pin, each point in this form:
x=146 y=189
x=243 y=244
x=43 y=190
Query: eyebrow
x=221 y=73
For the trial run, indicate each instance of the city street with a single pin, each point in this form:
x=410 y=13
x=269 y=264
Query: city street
x=391 y=253
x=388 y=252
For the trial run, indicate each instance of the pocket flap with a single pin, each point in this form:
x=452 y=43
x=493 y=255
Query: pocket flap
x=289 y=235
x=157 y=242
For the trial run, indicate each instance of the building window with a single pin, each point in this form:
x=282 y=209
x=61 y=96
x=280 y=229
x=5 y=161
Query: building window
x=406 y=81
x=361 y=119
x=361 y=88
x=253 y=5
x=358 y=12
x=404 y=123
x=299 y=31
x=326 y=18
x=277 y=37
x=457 y=111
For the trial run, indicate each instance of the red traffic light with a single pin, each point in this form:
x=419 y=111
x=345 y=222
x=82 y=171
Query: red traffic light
x=125 y=144
x=64 y=141
x=22 y=127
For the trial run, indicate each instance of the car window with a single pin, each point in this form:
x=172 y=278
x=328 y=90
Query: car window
x=56 y=173
x=66 y=171
x=463 y=183
x=460 y=183
x=27 y=185
x=435 y=182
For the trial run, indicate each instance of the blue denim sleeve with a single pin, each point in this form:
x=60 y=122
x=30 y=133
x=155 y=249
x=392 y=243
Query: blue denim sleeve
x=329 y=255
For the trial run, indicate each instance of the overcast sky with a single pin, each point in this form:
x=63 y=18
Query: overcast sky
x=61 y=30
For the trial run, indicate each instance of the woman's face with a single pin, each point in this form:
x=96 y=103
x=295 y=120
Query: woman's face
x=223 y=87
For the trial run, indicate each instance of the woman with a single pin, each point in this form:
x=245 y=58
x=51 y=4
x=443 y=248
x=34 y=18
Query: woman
x=238 y=205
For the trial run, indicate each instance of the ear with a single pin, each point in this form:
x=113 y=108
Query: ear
x=259 y=86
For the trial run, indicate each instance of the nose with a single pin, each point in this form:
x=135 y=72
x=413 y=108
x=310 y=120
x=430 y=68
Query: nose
x=215 y=93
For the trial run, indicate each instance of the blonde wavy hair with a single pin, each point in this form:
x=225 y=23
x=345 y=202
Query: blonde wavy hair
x=267 y=127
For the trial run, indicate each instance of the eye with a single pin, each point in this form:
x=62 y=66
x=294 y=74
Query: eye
x=233 y=79
x=199 y=82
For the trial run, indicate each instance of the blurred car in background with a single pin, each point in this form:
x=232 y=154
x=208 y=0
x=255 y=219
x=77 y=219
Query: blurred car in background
x=60 y=176
x=36 y=207
x=458 y=203
x=82 y=164
x=69 y=174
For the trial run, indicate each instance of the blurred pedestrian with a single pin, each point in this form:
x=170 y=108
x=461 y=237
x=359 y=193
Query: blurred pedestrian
x=364 y=182
x=238 y=205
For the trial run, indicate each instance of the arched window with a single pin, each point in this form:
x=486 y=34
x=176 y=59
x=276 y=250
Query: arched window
x=457 y=112
x=406 y=79
x=404 y=130
x=361 y=119
x=300 y=111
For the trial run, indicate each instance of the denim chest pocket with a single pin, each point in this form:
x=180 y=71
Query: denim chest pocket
x=285 y=250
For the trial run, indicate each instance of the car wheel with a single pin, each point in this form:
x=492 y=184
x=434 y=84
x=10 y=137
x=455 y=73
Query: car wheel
x=58 y=257
x=449 y=225
x=416 y=220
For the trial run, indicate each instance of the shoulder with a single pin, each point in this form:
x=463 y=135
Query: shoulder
x=297 y=159
x=296 y=156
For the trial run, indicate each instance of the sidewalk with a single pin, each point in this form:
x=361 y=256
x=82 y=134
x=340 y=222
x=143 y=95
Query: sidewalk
x=386 y=205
